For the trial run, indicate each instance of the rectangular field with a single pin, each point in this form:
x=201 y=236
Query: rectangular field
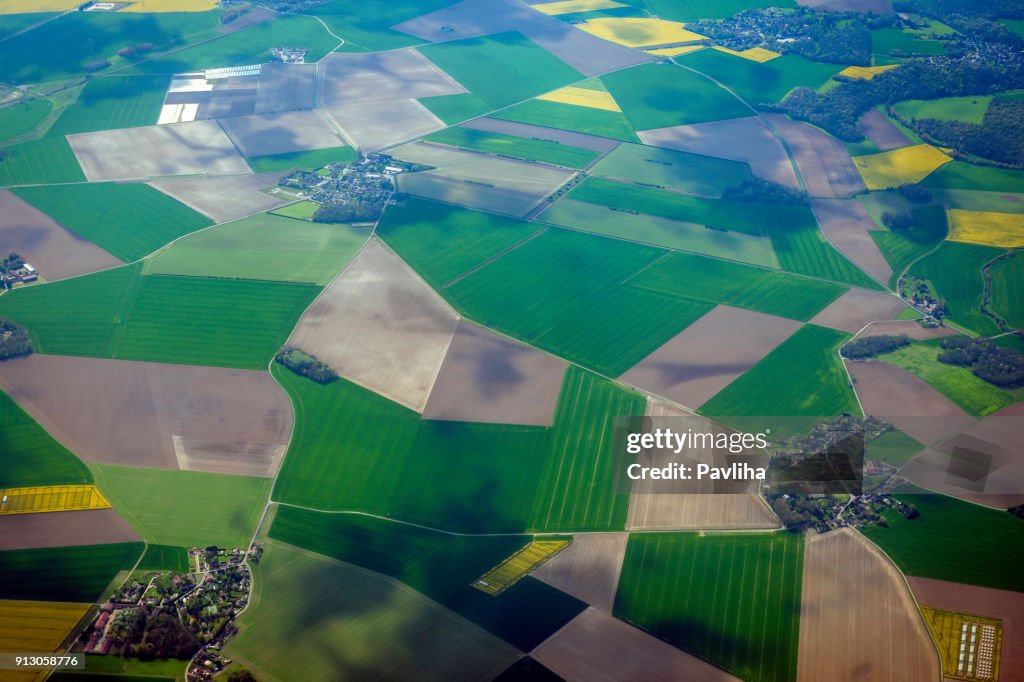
x=37 y=626
x=30 y=455
x=65 y=529
x=113 y=102
x=224 y=197
x=955 y=272
x=905 y=166
x=306 y=160
x=1004 y=230
x=528 y=149
x=756 y=83
x=49 y=160
x=609 y=124
x=66 y=574
x=285 y=132
x=51 y=498
x=694 y=173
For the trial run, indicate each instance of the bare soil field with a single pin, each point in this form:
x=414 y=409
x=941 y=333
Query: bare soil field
x=596 y=647
x=360 y=78
x=155 y=415
x=57 y=253
x=739 y=139
x=858 y=620
x=224 y=197
x=488 y=378
x=847 y=225
x=589 y=569
x=286 y=87
x=255 y=16
x=854 y=309
x=289 y=131
x=823 y=161
x=908 y=327
x=566 y=137
x=473 y=18
x=370 y=126
x=378 y=324
x=220 y=98
x=881 y=131
x=192 y=148
x=64 y=529
x=710 y=354
x=584 y=51
x=982 y=601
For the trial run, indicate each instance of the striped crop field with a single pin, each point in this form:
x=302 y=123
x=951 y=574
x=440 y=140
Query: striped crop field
x=51 y=498
x=516 y=567
x=37 y=626
x=987 y=228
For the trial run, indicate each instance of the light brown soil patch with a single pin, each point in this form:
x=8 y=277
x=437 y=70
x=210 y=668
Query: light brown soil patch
x=847 y=226
x=982 y=601
x=378 y=324
x=358 y=78
x=710 y=354
x=473 y=18
x=281 y=133
x=371 y=126
x=225 y=197
x=882 y=132
x=155 y=415
x=64 y=529
x=589 y=569
x=488 y=378
x=908 y=328
x=854 y=309
x=286 y=87
x=583 y=51
x=824 y=163
x=595 y=647
x=858 y=620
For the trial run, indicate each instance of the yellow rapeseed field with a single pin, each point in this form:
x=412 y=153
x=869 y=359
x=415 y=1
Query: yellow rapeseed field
x=675 y=51
x=952 y=630
x=171 y=6
x=29 y=6
x=582 y=97
x=570 y=6
x=986 y=228
x=640 y=31
x=37 y=626
x=754 y=54
x=51 y=498
x=905 y=166
x=519 y=565
x=865 y=72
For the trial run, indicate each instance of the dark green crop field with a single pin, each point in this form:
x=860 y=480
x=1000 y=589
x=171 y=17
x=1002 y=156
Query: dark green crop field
x=1007 y=292
x=366 y=26
x=962 y=175
x=307 y=160
x=669 y=168
x=76 y=574
x=22 y=118
x=164 y=558
x=39 y=162
x=529 y=149
x=611 y=124
x=955 y=271
x=903 y=248
x=30 y=456
x=760 y=83
x=114 y=102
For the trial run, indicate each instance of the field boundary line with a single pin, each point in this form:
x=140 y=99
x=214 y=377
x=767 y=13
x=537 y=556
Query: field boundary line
x=480 y=266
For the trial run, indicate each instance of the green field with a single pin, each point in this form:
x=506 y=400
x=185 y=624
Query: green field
x=29 y=455
x=893 y=447
x=731 y=599
x=545 y=151
x=302 y=210
x=439 y=565
x=75 y=574
x=39 y=162
x=185 y=508
x=974 y=200
x=119 y=314
x=100 y=668
x=611 y=124
x=692 y=10
x=955 y=273
x=23 y=117
x=315 y=618
x=114 y=102
x=953 y=540
x=264 y=247
x=354 y=450
x=366 y=26
x=903 y=248
x=802 y=377
x=128 y=221
x=164 y=558
x=962 y=175
x=757 y=83
x=307 y=160
x=885 y=41
x=12 y=23
x=682 y=171
x=1007 y=293
x=966 y=109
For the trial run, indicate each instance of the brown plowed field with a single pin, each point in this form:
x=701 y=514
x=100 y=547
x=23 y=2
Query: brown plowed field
x=847 y=225
x=881 y=131
x=281 y=133
x=584 y=51
x=225 y=197
x=854 y=309
x=371 y=126
x=589 y=569
x=858 y=620
x=155 y=415
x=286 y=87
x=358 y=78
x=906 y=327
x=473 y=18
x=64 y=529
x=824 y=163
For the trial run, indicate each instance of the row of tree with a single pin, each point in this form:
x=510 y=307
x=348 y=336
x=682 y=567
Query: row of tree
x=872 y=346
x=997 y=137
x=999 y=366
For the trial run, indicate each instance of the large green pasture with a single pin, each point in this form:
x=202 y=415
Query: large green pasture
x=904 y=247
x=692 y=10
x=39 y=162
x=545 y=151
x=164 y=558
x=191 y=320
x=128 y=221
x=75 y=574
x=885 y=41
x=23 y=117
x=660 y=94
x=366 y=26
x=733 y=600
x=954 y=270
x=682 y=171
x=439 y=565
x=354 y=450
x=114 y=102
x=966 y=109
x=962 y=175
x=760 y=83
x=611 y=124
x=308 y=160
x=12 y=23
x=185 y=508
x=954 y=540
x=1007 y=293
x=454 y=109
x=265 y=247
x=29 y=455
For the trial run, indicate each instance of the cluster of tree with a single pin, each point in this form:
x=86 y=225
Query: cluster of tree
x=241 y=675
x=759 y=189
x=14 y=340
x=306 y=365
x=898 y=222
x=997 y=138
x=234 y=12
x=355 y=211
x=165 y=637
x=915 y=193
x=999 y=366
x=96 y=65
x=1012 y=9
x=133 y=51
x=873 y=345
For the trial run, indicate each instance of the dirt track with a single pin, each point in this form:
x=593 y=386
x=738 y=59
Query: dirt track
x=823 y=161
x=64 y=529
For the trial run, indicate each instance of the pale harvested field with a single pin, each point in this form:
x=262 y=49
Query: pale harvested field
x=256 y=15
x=64 y=529
x=596 y=647
x=982 y=601
x=858 y=620
x=739 y=139
x=854 y=309
x=692 y=505
x=155 y=415
x=470 y=194
x=286 y=87
x=583 y=51
x=360 y=78
x=373 y=126
x=192 y=148
x=289 y=131
x=225 y=197
x=378 y=324
x=566 y=137
x=588 y=569
x=710 y=354
x=57 y=253
x=488 y=378
x=847 y=225
x=907 y=327
x=473 y=18
x=230 y=97
x=823 y=161
x=881 y=131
